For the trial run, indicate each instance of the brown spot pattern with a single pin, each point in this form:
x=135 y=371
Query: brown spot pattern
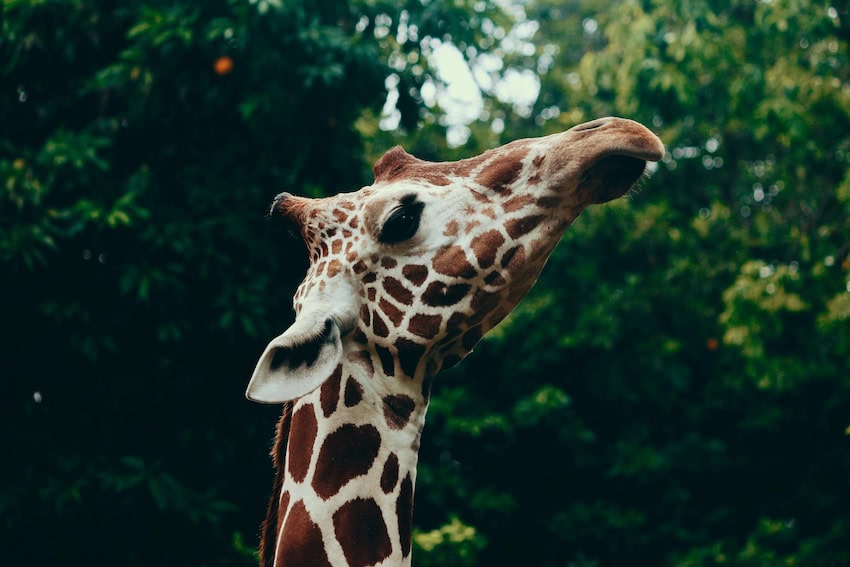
x=404 y=513
x=451 y=261
x=503 y=171
x=425 y=326
x=353 y=392
x=362 y=533
x=438 y=294
x=283 y=506
x=409 y=355
x=301 y=541
x=517 y=202
x=427 y=382
x=509 y=254
x=397 y=410
x=334 y=267
x=548 y=202
x=329 y=394
x=481 y=197
x=451 y=228
x=388 y=263
x=379 y=326
x=514 y=259
x=362 y=358
x=485 y=246
x=387 y=360
x=415 y=274
x=523 y=225
x=453 y=327
x=397 y=291
x=355 y=446
x=455 y=320
x=389 y=478
x=302 y=436
x=394 y=313
x=494 y=278
x=483 y=302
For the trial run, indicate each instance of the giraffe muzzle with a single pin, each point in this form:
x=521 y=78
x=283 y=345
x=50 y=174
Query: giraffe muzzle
x=612 y=154
x=611 y=177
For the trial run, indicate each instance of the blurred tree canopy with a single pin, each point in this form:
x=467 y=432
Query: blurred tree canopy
x=674 y=391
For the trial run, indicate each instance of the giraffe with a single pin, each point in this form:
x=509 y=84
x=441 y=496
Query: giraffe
x=405 y=277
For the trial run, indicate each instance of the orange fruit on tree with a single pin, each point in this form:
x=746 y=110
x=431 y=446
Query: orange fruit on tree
x=223 y=65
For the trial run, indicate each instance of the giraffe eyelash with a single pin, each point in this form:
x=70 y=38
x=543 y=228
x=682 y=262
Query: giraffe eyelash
x=403 y=222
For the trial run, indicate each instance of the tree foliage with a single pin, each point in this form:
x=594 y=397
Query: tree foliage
x=674 y=391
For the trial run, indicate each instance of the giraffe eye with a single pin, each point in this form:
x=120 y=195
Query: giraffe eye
x=403 y=222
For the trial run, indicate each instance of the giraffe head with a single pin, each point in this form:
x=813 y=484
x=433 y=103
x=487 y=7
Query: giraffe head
x=406 y=275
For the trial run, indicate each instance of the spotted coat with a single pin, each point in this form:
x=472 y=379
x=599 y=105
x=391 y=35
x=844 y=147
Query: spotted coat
x=405 y=277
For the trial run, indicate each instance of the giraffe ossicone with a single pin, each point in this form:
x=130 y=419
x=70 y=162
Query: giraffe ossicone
x=405 y=277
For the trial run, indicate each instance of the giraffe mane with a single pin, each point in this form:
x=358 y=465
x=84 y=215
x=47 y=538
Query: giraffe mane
x=272 y=522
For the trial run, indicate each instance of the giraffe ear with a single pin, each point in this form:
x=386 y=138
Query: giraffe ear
x=297 y=362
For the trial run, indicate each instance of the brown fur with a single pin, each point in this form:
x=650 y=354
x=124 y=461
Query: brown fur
x=347 y=452
x=501 y=173
x=271 y=525
x=397 y=164
x=362 y=532
x=294 y=209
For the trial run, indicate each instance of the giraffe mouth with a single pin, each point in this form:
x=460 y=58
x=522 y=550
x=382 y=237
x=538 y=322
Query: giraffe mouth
x=611 y=177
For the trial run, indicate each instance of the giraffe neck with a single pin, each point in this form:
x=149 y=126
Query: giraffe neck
x=347 y=455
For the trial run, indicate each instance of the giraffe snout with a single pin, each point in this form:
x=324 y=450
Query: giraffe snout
x=593 y=124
